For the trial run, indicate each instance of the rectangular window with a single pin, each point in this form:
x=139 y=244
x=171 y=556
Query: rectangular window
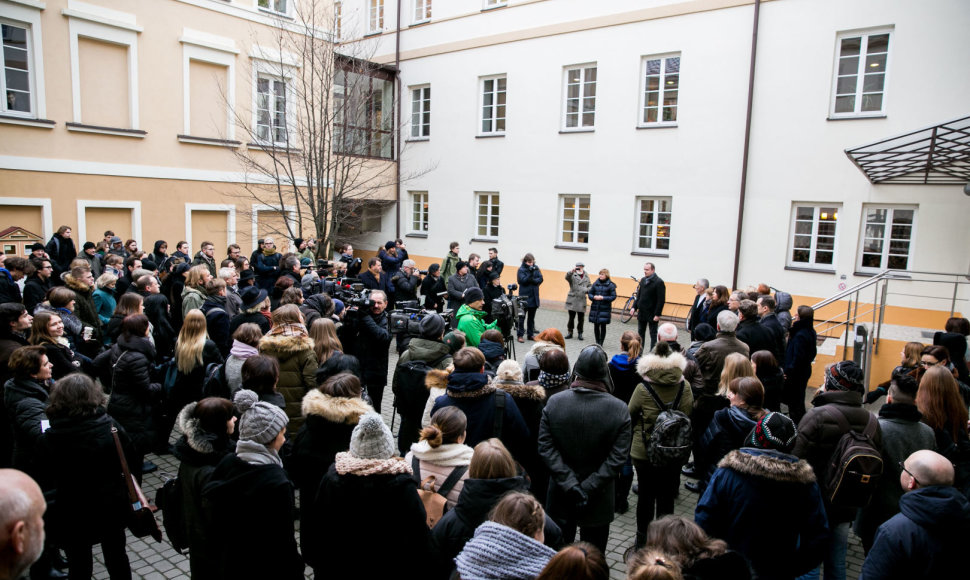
x=16 y=80
x=487 y=215
x=422 y=11
x=653 y=224
x=273 y=5
x=495 y=3
x=574 y=220
x=271 y=110
x=493 y=104
x=419 y=212
x=421 y=112
x=887 y=237
x=338 y=20
x=860 y=74
x=364 y=100
x=661 y=88
x=370 y=220
x=579 y=108
x=813 y=238
x=375 y=15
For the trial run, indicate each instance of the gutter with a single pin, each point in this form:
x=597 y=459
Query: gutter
x=747 y=143
x=397 y=129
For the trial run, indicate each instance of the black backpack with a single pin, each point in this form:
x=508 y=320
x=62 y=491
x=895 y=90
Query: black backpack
x=410 y=392
x=855 y=466
x=215 y=383
x=171 y=501
x=670 y=441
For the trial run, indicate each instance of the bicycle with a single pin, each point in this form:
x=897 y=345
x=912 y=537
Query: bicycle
x=627 y=313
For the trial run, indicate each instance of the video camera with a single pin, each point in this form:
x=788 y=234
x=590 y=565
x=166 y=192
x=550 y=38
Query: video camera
x=506 y=309
x=352 y=293
x=407 y=316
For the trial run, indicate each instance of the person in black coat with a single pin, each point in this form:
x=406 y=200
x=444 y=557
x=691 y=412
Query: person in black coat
x=79 y=459
x=373 y=340
x=601 y=296
x=267 y=265
x=38 y=285
x=431 y=286
x=61 y=251
x=253 y=300
x=801 y=351
x=11 y=270
x=374 y=278
x=698 y=309
x=406 y=282
x=750 y=331
x=25 y=400
x=47 y=330
x=768 y=371
x=217 y=319
x=529 y=278
x=649 y=306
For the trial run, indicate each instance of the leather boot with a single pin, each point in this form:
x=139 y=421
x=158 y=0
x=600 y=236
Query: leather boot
x=638 y=544
x=569 y=334
x=623 y=485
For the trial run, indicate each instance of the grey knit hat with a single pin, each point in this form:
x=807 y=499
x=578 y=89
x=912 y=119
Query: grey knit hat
x=260 y=422
x=371 y=438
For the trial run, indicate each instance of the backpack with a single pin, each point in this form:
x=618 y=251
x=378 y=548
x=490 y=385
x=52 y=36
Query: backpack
x=215 y=383
x=855 y=466
x=167 y=374
x=670 y=441
x=410 y=392
x=171 y=501
x=435 y=500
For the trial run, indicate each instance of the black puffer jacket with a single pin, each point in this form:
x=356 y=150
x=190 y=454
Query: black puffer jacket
x=63 y=358
x=725 y=433
x=126 y=369
x=601 y=311
x=25 y=401
x=315 y=307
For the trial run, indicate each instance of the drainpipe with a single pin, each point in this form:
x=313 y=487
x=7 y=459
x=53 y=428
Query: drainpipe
x=747 y=141
x=397 y=128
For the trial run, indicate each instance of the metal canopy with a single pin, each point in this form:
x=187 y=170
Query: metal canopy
x=938 y=155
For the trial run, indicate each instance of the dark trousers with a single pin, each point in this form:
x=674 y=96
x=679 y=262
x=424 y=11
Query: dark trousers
x=375 y=388
x=596 y=535
x=642 y=327
x=530 y=315
x=794 y=397
x=599 y=332
x=658 y=490
x=81 y=564
x=410 y=429
x=579 y=324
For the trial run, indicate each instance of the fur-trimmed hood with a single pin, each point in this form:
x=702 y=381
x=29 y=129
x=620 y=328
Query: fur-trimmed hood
x=335 y=409
x=436 y=379
x=281 y=346
x=521 y=391
x=541 y=347
x=76 y=285
x=197 y=439
x=769 y=464
x=658 y=369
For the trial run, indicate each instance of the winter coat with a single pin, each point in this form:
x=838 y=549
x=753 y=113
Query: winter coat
x=456 y=287
x=84 y=307
x=819 y=434
x=470 y=392
x=783 y=304
x=471 y=322
x=392 y=264
x=126 y=371
x=801 y=351
x=925 y=540
x=494 y=354
x=667 y=382
x=192 y=297
x=584 y=439
x=429 y=351
x=35 y=291
x=448 y=266
x=9 y=290
x=267 y=269
x=774 y=383
x=255 y=317
x=105 y=304
x=298 y=365
x=313 y=308
x=779 y=336
x=439 y=462
x=358 y=502
x=188 y=386
x=61 y=251
x=651 y=297
x=710 y=357
x=405 y=287
x=380 y=282
x=531 y=400
x=601 y=311
x=25 y=404
x=202 y=259
x=94 y=262
x=217 y=323
x=624 y=376
x=530 y=278
x=725 y=433
x=579 y=285
x=751 y=332
x=712 y=312
x=63 y=358
x=257 y=502
x=90 y=507
x=373 y=340
x=157 y=311
x=8 y=344
x=530 y=366
x=431 y=286
x=747 y=491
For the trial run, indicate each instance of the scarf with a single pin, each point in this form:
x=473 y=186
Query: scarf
x=547 y=380
x=257 y=453
x=348 y=464
x=242 y=350
x=269 y=251
x=499 y=551
x=447 y=455
x=289 y=329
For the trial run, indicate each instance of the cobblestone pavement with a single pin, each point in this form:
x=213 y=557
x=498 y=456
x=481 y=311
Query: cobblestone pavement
x=155 y=561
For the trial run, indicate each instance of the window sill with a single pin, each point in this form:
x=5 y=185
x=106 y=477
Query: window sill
x=270 y=148
x=417 y=139
x=576 y=248
x=812 y=270
x=658 y=126
x=485 y=240
x=208 y=141
x=416 y=235
x=420 y=23
x=489 y=135
x=650 y=254
x=496 y=7
x=894 y=276
x=274 y=13
x=362 y=156
x=27 y=122
x=117 y=131
x=857 y=117
x=373 y=33
x=568 y=131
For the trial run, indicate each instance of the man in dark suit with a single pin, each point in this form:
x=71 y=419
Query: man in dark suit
x=374 y=278
x=651 y=296
x=698 y=309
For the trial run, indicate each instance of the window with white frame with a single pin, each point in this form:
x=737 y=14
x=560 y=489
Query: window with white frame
x=813 y=235
x=493 y=104
x=375 y=15
x=661 y=88
x=419 y=212
x=653 y=224
x=422 y=11
x=278 y=6
x=338 y=20
x=887 y=237
x=271 y=110
x=860 y=74
x=487 y=215
x=16 y=81
x=421 y=112
x=574 y=220
x=579 y=108
x=495 y=3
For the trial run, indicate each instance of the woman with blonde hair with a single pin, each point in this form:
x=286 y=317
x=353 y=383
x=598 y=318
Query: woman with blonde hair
x=943 y=409
x=728 y=428
x=736 y=365
x=104 y=297
x=290 y=344
x=323 y=331
x=193 y=295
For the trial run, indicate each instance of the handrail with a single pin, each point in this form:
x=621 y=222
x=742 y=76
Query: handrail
x=890 y=274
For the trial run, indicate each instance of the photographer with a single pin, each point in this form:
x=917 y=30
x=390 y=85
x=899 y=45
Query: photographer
x=457 y=285
x=406 y=282
x=470 y=316
x=431 y=287
x=579 y=284
x=373 y=340
x=393 y=256
x=347 y=257
x=530 y=277
x=493 y=290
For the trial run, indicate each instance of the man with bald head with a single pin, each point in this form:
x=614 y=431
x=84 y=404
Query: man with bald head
x=22 y=508
x=925 y=539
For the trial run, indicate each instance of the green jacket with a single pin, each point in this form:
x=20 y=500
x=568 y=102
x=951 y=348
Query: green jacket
x=665 y=375
x=470 y=322
x=191 y=298
x=448 y=267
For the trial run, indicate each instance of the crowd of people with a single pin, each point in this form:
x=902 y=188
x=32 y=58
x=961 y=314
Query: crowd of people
x=270 y=372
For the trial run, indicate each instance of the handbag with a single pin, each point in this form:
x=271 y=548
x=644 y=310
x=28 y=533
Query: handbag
x=141 y=521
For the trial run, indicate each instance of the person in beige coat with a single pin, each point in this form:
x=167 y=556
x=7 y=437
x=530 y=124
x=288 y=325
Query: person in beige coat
x=441 y=452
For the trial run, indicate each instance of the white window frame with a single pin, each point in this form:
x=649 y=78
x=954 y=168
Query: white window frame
x=487 y=4
x=278 y=66
x=813 y=249
x=494 y=106
x=288 y=212
x=492 y=210
x=375 y=16
x=575 y=220
x=419 y=205
x=338 y=20
x=661 y=90
x=27 y=17
x=581 y=112
x=230 y=219
x=887 y=237
x=421 y=11
x=273 y=6
x=221 y=51
x=857 y=111
x=84 y=204
x=655 y=225
x=420 y=97
x=371 y=212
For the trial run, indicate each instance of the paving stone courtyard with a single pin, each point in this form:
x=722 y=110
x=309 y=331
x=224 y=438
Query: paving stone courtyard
x=156 y=561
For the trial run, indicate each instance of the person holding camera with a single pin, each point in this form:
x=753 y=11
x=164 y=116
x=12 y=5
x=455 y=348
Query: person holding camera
x=373 y=340
x=347 y=257
x=431 y=288
x=530 y=277
x=457 y=285
x=470 y=317
x=579 y=284
x=406 y=282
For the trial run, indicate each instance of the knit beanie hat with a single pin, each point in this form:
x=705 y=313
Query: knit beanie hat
x=260 y=422
x=371 y=438
x=773 y=431
x=473 y=295
x=845 y=376
x=704 y=332
x=338 y=306
x=431 y=326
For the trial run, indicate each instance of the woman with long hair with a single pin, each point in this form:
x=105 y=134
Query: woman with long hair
x=290 y=344
x=719 y=299
x=729 y=426
x=323 y=331
x=943 y=409
x=62 y=300
x=15 y=324
x=47 y=330
x=441 y=450
x=768 y=371
x=129 y=303
x=24 y=399
x=193 y=294
x=601 y=295
x=548 y=339
x=245 y=344
x=936 y=355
